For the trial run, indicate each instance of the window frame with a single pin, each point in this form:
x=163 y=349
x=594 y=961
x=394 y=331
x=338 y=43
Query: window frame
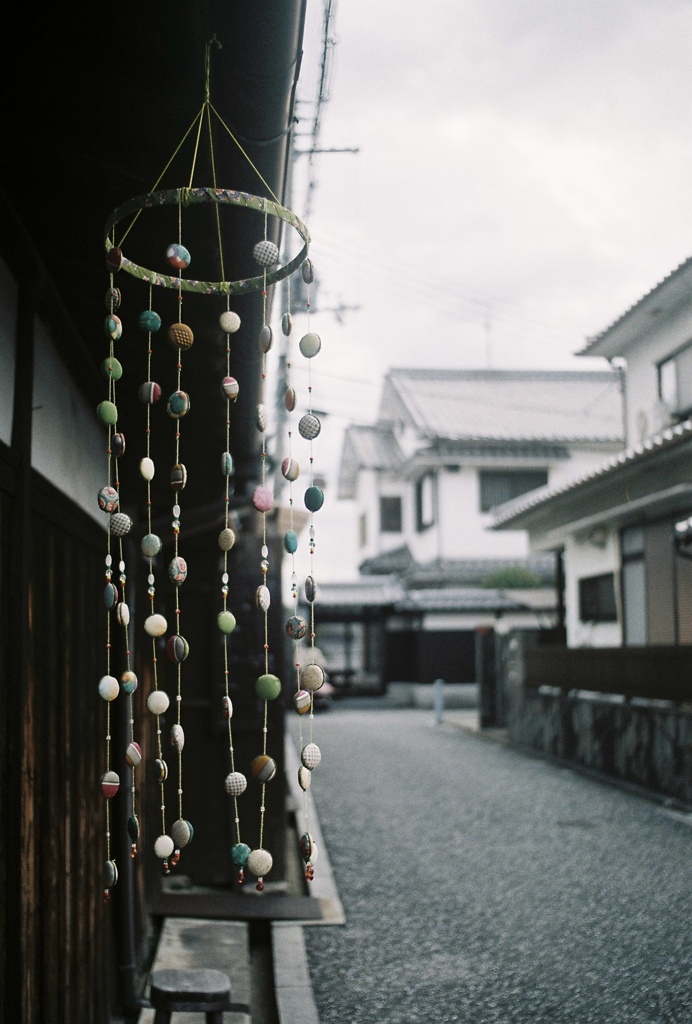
x=606 y=610
x=485 y=474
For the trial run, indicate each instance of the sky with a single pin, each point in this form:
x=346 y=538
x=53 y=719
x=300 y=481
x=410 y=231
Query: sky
x=522 y=177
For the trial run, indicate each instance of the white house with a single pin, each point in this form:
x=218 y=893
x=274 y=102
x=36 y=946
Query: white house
x=622 y=527
x=448 y=447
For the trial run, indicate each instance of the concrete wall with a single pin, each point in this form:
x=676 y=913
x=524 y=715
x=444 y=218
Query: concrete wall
x=647 y=743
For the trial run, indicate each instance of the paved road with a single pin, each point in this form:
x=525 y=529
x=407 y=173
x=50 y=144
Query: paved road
x=482 y=885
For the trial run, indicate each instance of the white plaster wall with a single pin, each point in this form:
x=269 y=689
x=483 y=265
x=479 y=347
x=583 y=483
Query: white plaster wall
x=643 y=356
x=582 y=558
x=464 y=529
x=69 y=444
x=8 y=330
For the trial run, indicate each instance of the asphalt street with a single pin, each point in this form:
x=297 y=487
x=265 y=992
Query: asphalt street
x=483 y=885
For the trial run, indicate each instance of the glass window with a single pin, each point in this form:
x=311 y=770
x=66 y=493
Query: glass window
x=597 y=599
x=500 y=485
x=425 y=502
x=390 y=514
x=675 y=381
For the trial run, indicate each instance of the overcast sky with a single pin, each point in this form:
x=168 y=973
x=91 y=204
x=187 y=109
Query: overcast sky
x=524 y=175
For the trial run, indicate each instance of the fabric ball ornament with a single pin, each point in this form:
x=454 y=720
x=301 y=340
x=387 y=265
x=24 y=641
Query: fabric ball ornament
x=107 y=413
x=304 y=778
x=108 y=499
x=291 y=541
x=263 y=598
x=226 y=621
x=239 y=854
x=178 y=477
x=307 y=272
x=149 y=320
x=177 y=570
x=310 y=755
x=290 y=469
x=114 y=259
x=260 y=862
x=108 y=688
x=150 y=545
x=261 y=418
x=296 y=627
x=112 y=368
x=163 y=847
x=286 y=324
x=310 y=589
x=112 y=299
x=180 y=335
x=312 y=677
x=123 y=614
x=149 y=392
x=310 y=344
x=230 y=388
x=177 y=737
x=227 y=464
x=147 y=468
x=110 y=596
x=226 y=539
x=118 y=445
x=178 y=256
x=235 y=783
x=133 y=754
x=161 y=770
x=268 y=686
x=263 y=768
x=265 y=253
x=155 y=625
x=229 y=321
x=113 y=327
x=110 y=784
x=314 y=498
x=178 y=404
x=262 y=498
x=120 y=524
x=129 y=681
x=265 y=339
x=290 y=399
x=302 y=701
x=309 y=426
x=177 y=648
x=158 y=702
x=182 y=833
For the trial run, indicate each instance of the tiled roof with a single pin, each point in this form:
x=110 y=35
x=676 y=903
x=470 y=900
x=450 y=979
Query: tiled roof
x=505 y=514
x=528 y=405
x=366 y=447
x=453 y=572
x=458 y=599
x=676 y=285
x=368 y=592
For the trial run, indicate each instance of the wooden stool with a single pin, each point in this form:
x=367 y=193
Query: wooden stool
x=194 y=991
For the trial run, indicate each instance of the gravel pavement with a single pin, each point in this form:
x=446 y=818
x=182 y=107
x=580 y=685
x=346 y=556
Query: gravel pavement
x=483 y=885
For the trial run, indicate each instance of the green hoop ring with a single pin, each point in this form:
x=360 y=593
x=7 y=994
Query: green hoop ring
x=205 y=196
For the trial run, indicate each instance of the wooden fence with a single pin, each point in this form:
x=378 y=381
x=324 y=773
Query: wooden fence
x=659 y=673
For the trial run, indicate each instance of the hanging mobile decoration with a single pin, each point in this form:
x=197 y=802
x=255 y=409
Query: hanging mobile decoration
x=171 y=841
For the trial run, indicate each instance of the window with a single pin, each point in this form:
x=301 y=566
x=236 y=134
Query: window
x=425 y=502
x=499 y=485
x=390 y=514
x=597 y=599
x=675 y=381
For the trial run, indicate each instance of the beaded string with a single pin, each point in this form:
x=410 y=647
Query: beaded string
x=181 y=338
x=118 y=525
x=312 y=676
x=235 y=782
x=268 y=685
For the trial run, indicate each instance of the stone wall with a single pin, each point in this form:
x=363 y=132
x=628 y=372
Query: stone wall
x=641 y=741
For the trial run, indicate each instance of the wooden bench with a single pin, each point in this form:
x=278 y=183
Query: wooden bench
x=192 y=990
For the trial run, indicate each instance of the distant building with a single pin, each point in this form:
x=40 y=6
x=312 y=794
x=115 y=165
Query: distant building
x=623 y=528
x=447 y=448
